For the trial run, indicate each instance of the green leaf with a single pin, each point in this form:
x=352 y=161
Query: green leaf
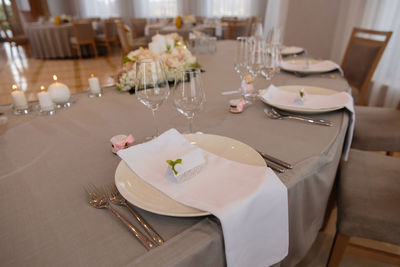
x=127 y=59
x=173 y=163
x=195 y=65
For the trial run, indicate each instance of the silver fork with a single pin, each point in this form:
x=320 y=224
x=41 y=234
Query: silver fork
x=98 y=199
x=273 y=114
x=116 y=198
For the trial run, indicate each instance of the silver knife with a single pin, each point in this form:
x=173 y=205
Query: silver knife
x=275 y=160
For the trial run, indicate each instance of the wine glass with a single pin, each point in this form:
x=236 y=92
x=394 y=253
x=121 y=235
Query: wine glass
x=243 y=66
x=152 y=87
x=189 y=96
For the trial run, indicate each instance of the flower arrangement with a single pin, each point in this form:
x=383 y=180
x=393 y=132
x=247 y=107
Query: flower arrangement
x=167 y=48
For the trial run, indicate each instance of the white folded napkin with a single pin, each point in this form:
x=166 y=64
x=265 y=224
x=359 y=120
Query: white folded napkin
x=312 y=66
x=250 y=201
x=280 y=97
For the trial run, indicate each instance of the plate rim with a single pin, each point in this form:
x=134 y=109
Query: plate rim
x=198 y=213
x=301 y=109
x=302 y=49
x=306 y=71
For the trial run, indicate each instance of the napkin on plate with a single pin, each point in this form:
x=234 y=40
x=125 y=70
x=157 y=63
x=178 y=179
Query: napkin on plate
x=276 y=96
x=250 y=201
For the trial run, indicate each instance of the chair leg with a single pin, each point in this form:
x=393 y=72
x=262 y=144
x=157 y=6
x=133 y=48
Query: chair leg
x=95 y=50
x=108 y=48
x=338 y=249
x=78 y=48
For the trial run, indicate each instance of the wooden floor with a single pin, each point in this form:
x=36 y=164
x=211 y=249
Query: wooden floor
x=29 y=74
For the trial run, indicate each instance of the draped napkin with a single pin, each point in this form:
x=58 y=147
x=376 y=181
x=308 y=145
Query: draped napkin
x=320 y=66
x=250 y=201
x=280 y=97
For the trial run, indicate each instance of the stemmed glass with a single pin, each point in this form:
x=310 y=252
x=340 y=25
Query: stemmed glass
x=189 y=96
x=152 y=87
x=242 y=65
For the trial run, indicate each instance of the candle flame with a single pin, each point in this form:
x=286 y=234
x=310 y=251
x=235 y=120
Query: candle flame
x=42 y=88
x=92 y=75
x=14 y=87
x=55 y=77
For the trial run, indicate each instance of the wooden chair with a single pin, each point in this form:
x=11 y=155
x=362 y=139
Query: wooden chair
x=83 y=35
x=15 y=39
x=368 y=205
x=110 y=35
x=138 y=26
x=127 y=42
x=236 y=29
x=361 y=59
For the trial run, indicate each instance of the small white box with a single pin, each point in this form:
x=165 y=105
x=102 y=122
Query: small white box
x=190 y=166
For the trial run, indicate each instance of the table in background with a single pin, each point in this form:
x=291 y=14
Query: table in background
x=46 y=161
x=218 y=29
x=48 y=40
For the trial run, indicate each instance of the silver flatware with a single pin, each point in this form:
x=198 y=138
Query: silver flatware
x=277 y=116
x=284 y=113
x=116 y=198
x=98 y=199
x=274 y=166
x=275 y=160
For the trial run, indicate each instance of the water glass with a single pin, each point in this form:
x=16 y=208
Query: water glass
x=151 y=87
x=189 y=96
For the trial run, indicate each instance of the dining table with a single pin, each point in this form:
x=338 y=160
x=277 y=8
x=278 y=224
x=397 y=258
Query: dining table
x=46 y=161
x=215 y=29
x=48 y=40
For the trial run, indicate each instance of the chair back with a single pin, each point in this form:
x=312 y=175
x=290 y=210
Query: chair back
x=237 y=29
x=362 y=56
x=4 y=33
x=123 y=37
x=138 y=26
x=83 y=32
x=110 y=29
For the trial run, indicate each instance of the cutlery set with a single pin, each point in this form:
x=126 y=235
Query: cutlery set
x=274 y=163
x=278 y=115
x=101 y=198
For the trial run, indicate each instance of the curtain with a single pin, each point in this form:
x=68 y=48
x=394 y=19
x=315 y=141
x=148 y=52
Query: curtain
x=384 y=16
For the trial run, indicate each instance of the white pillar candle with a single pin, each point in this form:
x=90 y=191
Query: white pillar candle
x=59 y=92
x=19 y=98
x=94 y=84
x=45 y=100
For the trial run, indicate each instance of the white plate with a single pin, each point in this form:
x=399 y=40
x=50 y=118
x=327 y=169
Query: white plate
x=144 y=196
x=310 y=90
x=314 y=66
x=291 y=50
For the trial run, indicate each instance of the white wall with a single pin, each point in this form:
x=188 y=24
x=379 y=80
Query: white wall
x=312 y=24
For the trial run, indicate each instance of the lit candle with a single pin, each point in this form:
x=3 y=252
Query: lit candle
x=94 y=84
x=45 y=100
x=59 y=92
x=19 y=98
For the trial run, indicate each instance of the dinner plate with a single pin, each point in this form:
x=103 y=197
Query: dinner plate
x=310 y=66
x=299 y=109
x=146 y=197
x=291 y=50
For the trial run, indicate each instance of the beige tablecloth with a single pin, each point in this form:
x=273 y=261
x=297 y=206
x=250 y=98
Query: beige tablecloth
x=49 y=40
x=46 y=161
